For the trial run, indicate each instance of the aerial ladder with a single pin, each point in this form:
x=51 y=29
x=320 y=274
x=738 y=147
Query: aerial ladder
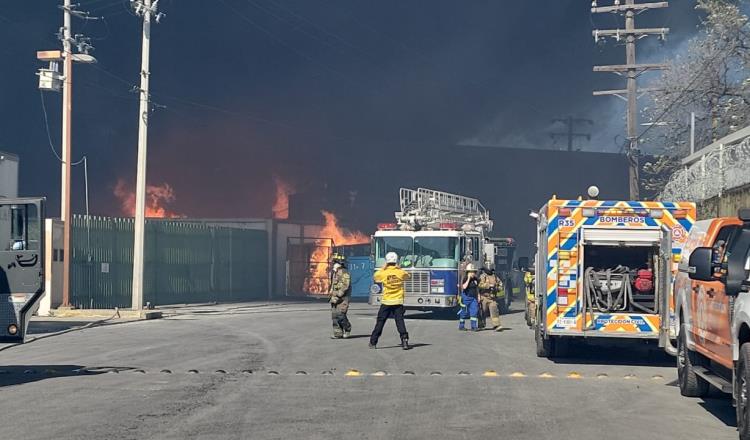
x=429 y=209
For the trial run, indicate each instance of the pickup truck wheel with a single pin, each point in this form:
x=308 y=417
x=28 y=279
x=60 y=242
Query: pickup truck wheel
x=743 y=392
x=691 y=385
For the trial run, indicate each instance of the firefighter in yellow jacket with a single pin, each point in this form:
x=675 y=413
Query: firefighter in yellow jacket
x=489 y=285
x=340 y=293
x=391 y=277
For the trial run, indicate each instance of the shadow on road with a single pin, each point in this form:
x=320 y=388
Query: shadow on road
x=635 y=354
x=413 y=346
x=22 y=374
x=358 y=336
x=722 y=409
x=42 y=327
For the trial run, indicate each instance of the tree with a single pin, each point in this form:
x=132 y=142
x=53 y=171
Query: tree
x=710 y=78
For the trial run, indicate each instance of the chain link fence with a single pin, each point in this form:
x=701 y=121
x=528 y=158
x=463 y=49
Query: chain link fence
x=722 y=167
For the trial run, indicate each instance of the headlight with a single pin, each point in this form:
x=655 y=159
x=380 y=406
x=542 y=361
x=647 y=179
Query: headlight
x=12 y=329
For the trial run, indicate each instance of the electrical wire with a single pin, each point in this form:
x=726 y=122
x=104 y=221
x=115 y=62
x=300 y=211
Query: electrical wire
x=49 y=136
x=291 y=48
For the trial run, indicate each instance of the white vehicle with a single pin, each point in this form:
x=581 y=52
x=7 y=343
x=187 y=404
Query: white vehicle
x=711 y=296
x=435 y=235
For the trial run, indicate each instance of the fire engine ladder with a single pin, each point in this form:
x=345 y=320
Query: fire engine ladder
x=426 y=207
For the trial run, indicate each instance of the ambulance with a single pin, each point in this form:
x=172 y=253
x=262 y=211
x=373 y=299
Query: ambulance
x=604 y=269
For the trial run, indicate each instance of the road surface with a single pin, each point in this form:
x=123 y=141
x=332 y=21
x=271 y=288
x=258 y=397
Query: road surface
x=270 y=371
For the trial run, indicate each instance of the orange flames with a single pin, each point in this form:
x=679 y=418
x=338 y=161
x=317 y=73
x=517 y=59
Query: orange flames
x=318 y=280
x=156 y=199
x=340 y=236
x=280 y=207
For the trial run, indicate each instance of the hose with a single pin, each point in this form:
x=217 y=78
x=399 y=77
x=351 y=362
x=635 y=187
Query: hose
x=597 y=299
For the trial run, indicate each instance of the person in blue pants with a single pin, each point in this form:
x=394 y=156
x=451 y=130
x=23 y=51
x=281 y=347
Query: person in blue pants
x=469 y=299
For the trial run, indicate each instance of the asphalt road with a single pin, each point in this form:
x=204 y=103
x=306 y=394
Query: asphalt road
x=254 y=371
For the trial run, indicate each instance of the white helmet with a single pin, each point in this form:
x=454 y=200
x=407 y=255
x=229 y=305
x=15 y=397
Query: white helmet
x=470 y=268
x=391 y=258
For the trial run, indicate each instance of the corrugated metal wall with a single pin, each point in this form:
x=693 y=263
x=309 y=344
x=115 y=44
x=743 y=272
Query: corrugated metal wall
x=184 y=263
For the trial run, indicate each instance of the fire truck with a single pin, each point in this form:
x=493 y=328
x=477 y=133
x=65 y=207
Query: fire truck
x=21 y=264
x=605 y=268
x=435 y=235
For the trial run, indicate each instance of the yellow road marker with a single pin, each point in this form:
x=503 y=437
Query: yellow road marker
x=517 y=374
x=490 y=373
x=629 y=376
x=574 y=375
x=546 y=376
x=353 y=373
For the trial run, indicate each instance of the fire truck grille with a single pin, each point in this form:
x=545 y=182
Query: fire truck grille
x=418 y=283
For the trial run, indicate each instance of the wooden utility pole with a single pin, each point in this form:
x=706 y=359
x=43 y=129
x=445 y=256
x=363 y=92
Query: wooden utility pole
x=570 y=133
x=67 y=114
x=631 y=71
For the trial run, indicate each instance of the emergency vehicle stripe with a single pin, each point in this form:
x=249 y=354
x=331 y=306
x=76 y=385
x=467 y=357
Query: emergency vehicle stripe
x=568 y=276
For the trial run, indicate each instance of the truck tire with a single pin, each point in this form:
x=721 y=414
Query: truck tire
x=527 y=315
x=691 y=385
x=742 y=378
x=544 y=347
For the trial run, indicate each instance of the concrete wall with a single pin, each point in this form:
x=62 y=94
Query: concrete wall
x=726 y=205
x=53 y=245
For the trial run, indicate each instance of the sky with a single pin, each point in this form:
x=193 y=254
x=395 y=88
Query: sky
x=245 y=90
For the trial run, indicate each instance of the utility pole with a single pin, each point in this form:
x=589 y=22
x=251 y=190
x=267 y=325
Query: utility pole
x=67 y=123
x=631 y=71
x=50 y=79
x=570 y=133
x=147 y=10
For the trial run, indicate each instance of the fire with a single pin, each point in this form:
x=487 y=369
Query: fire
x=281 y=203
x=156 y=199
x=340 y=236
x=318 y=279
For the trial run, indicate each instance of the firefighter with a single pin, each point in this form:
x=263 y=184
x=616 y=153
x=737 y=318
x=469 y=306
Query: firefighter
x=391 y=277
x=469 y=299
x=528 y=279
x=489 y=284
x=340 y=293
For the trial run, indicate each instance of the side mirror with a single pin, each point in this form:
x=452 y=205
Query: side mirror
x=700 y=267
x=523 y=263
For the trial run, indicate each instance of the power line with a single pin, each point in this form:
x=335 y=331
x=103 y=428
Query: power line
x=299 y=53
x=570 y=122
x=631 y=70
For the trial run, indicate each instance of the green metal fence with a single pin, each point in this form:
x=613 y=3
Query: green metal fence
x=184 y=263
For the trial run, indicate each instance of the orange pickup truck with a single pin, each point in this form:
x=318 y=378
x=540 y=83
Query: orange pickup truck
x=713 y=304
